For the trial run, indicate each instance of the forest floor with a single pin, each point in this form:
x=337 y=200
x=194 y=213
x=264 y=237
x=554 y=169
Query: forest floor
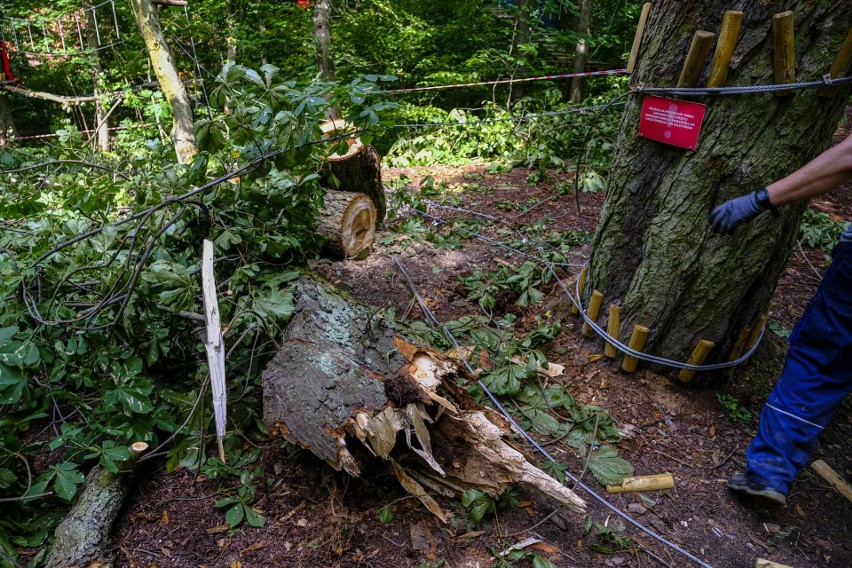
x=318 y=517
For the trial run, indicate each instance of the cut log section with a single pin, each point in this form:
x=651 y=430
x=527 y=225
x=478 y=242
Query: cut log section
x=83 y=538
x=343 y=386
x=358 y=170
x=347 y=222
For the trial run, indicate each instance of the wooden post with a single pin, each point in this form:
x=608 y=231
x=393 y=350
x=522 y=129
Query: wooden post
x=840 y=66
x=730 y=32
x=737 y=350
x=783 y=49
x=593 y=311
x=699 y=354
x=613 y=328
x=214 y=345
x=637 y=343
x=758 y=327
x=582 y=284
x=699 y=49
x=828 y=474
x=637 y=39
x=642 y=483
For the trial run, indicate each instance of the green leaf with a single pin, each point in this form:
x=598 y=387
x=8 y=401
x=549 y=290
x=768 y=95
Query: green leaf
x=6 y=333
x=539 y=561
x=386 y=515
x=68 y=477
x=254 y=518
x=235 y=515
x=607 y=467
x=7 y=478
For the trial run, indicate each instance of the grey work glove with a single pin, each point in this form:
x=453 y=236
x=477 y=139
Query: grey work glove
x=734 y=212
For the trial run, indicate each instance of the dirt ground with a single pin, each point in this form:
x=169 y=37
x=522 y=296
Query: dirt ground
x=317 y=517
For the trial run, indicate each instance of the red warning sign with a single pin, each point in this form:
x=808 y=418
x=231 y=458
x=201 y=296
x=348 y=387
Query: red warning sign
x=671 y=121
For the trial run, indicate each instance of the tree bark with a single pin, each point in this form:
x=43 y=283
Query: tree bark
x=101 y=120
x=322 y=35
x=654 y=252
x=347 y=222
x=343 y=386
x=183 y=132
x=580 y=51
x=523 y=34
x=7 y=122
x=83 y=537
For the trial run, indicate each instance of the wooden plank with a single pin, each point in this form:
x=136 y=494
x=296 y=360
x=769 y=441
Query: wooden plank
x=783 y=50
x=637 y=38
x=702 y=41
x=613 y=328
x=763 y=563
x=214 y=345
x=731 y=23
x=833 y=477
x=841 y=64
x=637 y=343
x=699 y=354
x=642 y=483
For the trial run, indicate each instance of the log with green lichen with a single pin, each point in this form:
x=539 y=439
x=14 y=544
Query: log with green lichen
x=654 y=252
x=84 y=538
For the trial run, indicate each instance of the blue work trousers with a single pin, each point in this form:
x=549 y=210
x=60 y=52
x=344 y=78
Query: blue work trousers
x=817 y=376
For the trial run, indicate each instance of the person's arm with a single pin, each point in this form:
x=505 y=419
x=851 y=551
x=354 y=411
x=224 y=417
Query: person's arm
x=830 y=169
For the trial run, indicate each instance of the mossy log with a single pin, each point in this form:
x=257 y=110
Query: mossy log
x=358 y=170
x=344 y=386
x=654 y=253
x=84 y=538
x=347 y=222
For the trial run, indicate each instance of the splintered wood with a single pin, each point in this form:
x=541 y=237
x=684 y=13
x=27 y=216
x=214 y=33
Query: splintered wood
x=349 y=390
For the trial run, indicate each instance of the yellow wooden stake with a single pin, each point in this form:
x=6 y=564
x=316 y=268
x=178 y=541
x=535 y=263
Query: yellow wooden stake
x=737 y=349
x=731 y=23
x=833 y=477
x=637 y=39
x=642 y=483
x=841 y=64
x=693 y=66
x=783 y=50
x=758 y=327
x=699 y=354
x=593 y=311
x=637 y=343
x=582 y=284
x=613 y=327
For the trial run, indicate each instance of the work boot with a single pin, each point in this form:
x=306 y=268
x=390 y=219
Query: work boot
x=739 y=483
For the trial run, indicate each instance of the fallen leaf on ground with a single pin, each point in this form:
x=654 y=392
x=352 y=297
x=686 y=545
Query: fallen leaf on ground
x=217 y=529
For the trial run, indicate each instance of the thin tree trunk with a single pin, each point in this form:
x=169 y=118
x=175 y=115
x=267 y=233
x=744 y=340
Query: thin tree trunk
x=654 y=252
x=580 y=51
x=322 y=35
x=523 y=33
x=7 y=122
x=101 y=121
x=183 y=133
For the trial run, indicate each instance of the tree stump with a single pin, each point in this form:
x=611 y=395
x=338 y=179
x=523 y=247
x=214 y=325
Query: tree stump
x=347 y=222
x=358 y=170
x=349 y=390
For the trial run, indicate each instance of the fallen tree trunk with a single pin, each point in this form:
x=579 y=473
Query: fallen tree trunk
x=83 y=538
x=347 y=222
x=345 y=387
x=358 y=170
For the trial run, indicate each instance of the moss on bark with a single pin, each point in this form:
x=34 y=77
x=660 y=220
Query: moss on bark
x=654 y=252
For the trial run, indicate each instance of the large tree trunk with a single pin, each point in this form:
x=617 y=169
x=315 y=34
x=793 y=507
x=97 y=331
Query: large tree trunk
x=654 y=252
x=183 y=129
x=345 y=387
x=581 y=50
x=347 y=222
x=101 y=121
